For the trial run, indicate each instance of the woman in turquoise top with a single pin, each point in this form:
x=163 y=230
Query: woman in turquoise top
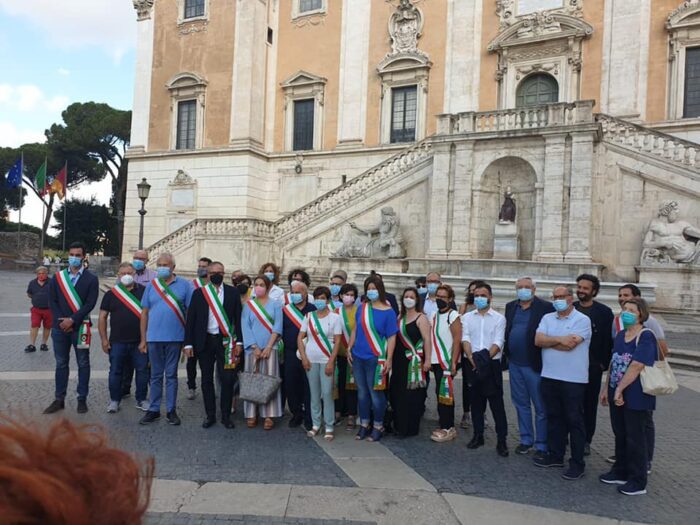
x=261 y=321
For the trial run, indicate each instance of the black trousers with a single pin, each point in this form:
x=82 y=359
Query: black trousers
x=466 y=389
x=495 y=402
x=446 y=413
x=631 y=454
x=346 y=404
x=591 y=400
x=192 y=372
x=296 y=386
x=563 y=402
x=213 y=357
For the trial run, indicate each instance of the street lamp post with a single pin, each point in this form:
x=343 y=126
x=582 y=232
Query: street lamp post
x=143 y=188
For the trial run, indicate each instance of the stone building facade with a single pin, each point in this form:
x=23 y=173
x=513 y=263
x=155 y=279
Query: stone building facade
x=278 y=129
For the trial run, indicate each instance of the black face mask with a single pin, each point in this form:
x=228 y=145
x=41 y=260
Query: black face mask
x=441 y=304
x=470 y=298
x=242 y=288
x=216 y=279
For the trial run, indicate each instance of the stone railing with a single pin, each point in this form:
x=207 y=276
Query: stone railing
x=645 y=140
x=389 y=170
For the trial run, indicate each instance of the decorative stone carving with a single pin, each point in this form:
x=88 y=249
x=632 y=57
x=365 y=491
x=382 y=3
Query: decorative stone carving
x=405 y=27
x=182 y=179
x=507 y=11
x=197 y=26
x=143 y=9
x=508 y=209
x=670 y=241
x=383 y=241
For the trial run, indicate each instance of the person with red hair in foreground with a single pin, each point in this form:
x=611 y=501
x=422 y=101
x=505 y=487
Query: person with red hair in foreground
x=69 y=476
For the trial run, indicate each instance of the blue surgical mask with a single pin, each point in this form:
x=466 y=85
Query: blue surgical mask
x=296 y=298
x=481 y=302
x=524 y=294
x=628 y=319
x=432 y=288
x=270 y=275
x=422 y=290
x=335 y=290
x=560 y=305
x=320 y=304
x=163 y=272
x=74 y=261
x=372 y=295
x=138 y=265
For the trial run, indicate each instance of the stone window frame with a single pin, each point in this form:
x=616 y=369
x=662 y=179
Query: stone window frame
x=297 y=13
x=181 y=13
x=303 y=86
x=403 y=70
x=183 y=87
x=683 y=26
x=507 y=11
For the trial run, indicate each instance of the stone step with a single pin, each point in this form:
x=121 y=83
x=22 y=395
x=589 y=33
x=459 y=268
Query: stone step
x=684 y=364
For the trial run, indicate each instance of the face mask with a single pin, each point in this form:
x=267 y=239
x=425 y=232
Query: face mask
x=74 y=261
x=270 y=275
x=432 y=288
x=481 y=302
x=320 y=304
x=422 y=290
x=201 y=272
x=335 y=290
x=127 y=279
x=372 y=295
x=260 y=291
x=560 y=305
x=42 y=277
x=242 y=288
x=628 y=319
x=138 y=265
x=470 y=298
x=163 y=272
x=296 y=298
x=524 y=294
x=441 y=304
x=408 y=302
x=348 y=300
x=216 y=279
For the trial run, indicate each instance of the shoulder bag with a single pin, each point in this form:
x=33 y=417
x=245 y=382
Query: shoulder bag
x=657 y=380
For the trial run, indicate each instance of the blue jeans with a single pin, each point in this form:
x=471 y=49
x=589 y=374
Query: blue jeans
x=321 y=387
x=525 y=392
x=62 y=343
x=164 y=358
x=367 y=397
x=118 y=356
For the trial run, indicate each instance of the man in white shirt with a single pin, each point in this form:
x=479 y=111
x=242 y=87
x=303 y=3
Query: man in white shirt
x=433 y=281
x=565 y=337
x=483 y=333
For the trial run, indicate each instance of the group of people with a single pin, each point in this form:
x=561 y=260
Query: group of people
x=349 y=354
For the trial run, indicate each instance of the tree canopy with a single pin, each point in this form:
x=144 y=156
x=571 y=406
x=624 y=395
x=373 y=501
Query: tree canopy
x=89 y=222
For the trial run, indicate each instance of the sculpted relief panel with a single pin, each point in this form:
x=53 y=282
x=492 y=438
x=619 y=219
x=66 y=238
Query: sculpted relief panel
x=380 y=242
x=670 y=240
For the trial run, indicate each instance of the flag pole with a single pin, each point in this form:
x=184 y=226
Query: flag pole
x=19 y=222
x=43 y=208
x=65 y=205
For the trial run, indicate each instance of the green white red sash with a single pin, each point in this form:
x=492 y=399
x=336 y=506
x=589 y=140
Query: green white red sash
x=198 y=283
x=345 y=325
x=262 y=315
x=74 y=303
x=162 y=289
x=414 y=354
x=128 y=299
x=444 y=356
x=225 y=327
x=294 y=314
x=377 y=344
x=319 y=335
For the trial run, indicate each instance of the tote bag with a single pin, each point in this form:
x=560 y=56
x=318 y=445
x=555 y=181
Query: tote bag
x=657 y=380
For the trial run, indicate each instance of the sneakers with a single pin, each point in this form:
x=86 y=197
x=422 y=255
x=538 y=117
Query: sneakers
x=611 y=478
x=572 y=473
x=55 y=406
x=523 y=449
x=113 y=407
x=143 y=405
x=476 y=442
x=539 y=455
x=631 y=489
x=191 y=394
x=611 y=459
x=441 y=435
x=548 y=461
x=150 y=417
x=82 y=406
x=44 y=347
x=172 y=418
x=30 y=348
x=464 y=423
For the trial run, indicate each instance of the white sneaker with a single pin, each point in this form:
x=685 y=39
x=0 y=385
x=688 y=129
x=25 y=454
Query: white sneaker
x=143 y=405
x=191 y=394
x=113 y=407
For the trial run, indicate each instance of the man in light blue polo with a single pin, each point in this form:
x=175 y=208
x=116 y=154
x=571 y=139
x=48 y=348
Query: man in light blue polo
x=164 y=304
x=564 y=336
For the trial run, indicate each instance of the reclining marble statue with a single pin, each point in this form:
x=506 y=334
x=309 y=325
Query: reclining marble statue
x=382 y=241
x=670 y=240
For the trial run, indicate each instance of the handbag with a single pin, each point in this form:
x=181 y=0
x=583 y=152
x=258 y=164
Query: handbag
x=257 y=387
x=657 y=380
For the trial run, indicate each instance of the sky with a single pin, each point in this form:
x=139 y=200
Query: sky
x=54 y=53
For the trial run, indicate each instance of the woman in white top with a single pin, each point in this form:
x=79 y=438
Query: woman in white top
x=272 y=272
x=322 y=331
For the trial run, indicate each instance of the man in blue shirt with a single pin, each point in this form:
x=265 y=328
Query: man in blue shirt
x=164 y=304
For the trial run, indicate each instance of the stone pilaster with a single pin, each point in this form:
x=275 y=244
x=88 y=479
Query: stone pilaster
x=439 y=189
x=142 y=79
x=462 y=209
x=580 y=204
x=553 y=200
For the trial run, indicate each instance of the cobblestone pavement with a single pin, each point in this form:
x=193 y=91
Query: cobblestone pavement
x=171 y=518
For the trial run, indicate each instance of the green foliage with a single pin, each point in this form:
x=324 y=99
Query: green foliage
x=89 y=222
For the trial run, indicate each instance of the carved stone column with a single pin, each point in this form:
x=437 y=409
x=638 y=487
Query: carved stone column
x=553 y=197
x=462 y=214
x=437 y=201
x=142 y=79
x=580 y=204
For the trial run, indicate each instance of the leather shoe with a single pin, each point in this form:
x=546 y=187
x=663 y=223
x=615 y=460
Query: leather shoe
x=82 y=406
x=58 y=404
x=296 y=421
x=208 y=422
x=227 y=423
x=476 y=442
x=502 y=449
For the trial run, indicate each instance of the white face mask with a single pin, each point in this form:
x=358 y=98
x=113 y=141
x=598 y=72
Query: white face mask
x=127 y=279
x=408 y=302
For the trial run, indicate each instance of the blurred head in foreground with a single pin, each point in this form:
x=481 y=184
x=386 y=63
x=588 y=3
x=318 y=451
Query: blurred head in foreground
x=69 y=475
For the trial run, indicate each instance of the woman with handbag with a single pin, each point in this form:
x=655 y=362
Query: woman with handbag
x=630 y=408
x=261 y=321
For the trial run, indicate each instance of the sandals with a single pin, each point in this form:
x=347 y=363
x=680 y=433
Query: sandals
x=269 y=423
x=350 y=425
x=313 y=432
x=252 y=422
x=376 y=435
x=362 y=433
x=329 y=436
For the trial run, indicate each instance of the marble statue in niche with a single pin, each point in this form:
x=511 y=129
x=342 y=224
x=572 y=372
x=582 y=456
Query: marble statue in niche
x=670 y=240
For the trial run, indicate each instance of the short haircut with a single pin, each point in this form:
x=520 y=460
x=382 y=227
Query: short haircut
x=126 y=264
x=304 y=276
x=450 y=291
x=636 y=292
x=568 y=288
x=217 y=262
x=304 y=287
x=592 y=278
x=420 y=281
x=205 y=259
x=349 y=288
x=376 y=280
x=433 y=273
x=77 y=244
x=419 y=301
x=168 y=255
x=342 y=274
x=484 y=285
x=42 y=269
x=267 y=282
x=526 y=278
x=241 y=278
x=322 y=290
x=476 y=283
x=642 y=306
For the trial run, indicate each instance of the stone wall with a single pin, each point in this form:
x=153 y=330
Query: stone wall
x=28 y=244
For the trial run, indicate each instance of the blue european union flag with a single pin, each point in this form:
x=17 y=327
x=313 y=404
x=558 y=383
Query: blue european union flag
x=14 y=176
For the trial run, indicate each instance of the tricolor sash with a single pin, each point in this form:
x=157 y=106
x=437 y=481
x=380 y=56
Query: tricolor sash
x=266 y=320
x=345 y=325
x=128 y=299
x=74 y=303
x=287 y=300
x=414 y=354
x=198 y=283
x=377 y=344
x=225 y=326
x=294 y=314
x=444 y=356
x=162 y=289
x=319 y=335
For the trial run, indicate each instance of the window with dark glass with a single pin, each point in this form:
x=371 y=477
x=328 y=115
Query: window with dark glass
x=194 y=8
x=310 y=5
x=691 y=93
x=186 y=124
x=537 y=89
x=303 y=125
x=403 y=113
